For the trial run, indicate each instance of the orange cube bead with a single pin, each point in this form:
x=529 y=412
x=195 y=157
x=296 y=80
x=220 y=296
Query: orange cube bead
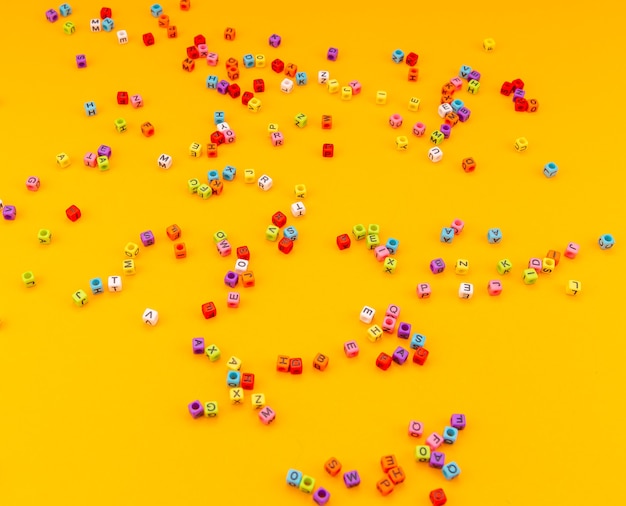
x=247 y=279
x=180 y=250
x=147 y=129
x=448 y=89
x=554 y=255
x=452 y=118
x=332 y=466
x=446 y=99
x=321 y=362
x=172 y=33
x=468 y=164
x=282 y=364
x=413 y=74
x=211 y=150
x=216 y=186
x=396 y=474
x=232 y=62
x=173 y=232
x=388 y=462
x=233 y=73
x=229 y=33
x=291 y=69
x=185 y=5
x=327 y=122
x=385 y=486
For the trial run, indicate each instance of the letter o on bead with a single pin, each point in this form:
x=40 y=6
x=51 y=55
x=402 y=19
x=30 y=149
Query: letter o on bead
x=395 y=121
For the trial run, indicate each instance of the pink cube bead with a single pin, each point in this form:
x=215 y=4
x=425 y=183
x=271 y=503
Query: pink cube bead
x=231 y=279
x=393 y=311
x=434 y=441
x=356 y=87
x=203 y=50
x=195 y=409
x=233 y=299
x=457 y=82
x=572 y=250
x=416 y=429
x=423 y=290
x=224 y=248
x=229 y=136
x=457 y=225
x=395 y=120
x=136 y=101
x=33 y=183
x=389 y=324
x=212 y=59
x=277 y=139
x=381 y=253
x=419 y=129
x=351 y=349
x=90 y=160
x=494 y=287
x=535 y=263
x=267 y=415
x=404 y=330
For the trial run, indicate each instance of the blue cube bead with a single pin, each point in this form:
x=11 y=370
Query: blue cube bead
x=156 y=10
x=392 y=245
x=233 y=378
x=447 y=234
x=211 y=82
x=301 y=78
x=218 y=116
x=291 y=233
x=96 y=286
x=457 y=104
x=107 y=24
x=213 y=175
x=464 y=72
x=228 y=174
x=417 y=341
x=398 y=56
x=294 y=478
x=606 y=241
x=90 y=108
x=550 y=169
x=248 y=61
x=65 y=10
x=451 y=470
x=450 y=434
x=494 y=235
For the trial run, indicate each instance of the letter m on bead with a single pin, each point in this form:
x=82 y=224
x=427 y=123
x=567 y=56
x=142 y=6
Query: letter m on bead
x=163 y=159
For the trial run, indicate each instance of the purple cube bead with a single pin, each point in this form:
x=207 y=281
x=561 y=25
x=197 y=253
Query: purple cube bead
x=222 y=87
x=474 y=74
x=275 y=40
x=446 y=130
x=437 y=266
x=147 y=238
x=231 y=279
x=195 y=409
x=9 y=213
x=351 y=479
x=437 y=460
x=400 y=355
x=404 y=330
x=52 y=15
x=464 y=114
x=104 y=150
x=518 y=94
x=332 y=54
x=458 y=421
x=321 y=496
x=197 y=344
x=81 y=61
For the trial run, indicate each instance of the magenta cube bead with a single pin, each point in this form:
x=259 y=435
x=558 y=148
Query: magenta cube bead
x=104 y=150
x=321 y=496
x=275 y=40
x=419 y=128
x=332 y=54
x=446 y=130
x=458 y=421
x=195 y=409
x=457 y=225
x=400 y=355
x=474 y=74
x=356 y=87
x=572 y=250
x=416 y=429
x=147 y=238
x=351 y=479
x=52 y=15
x=90 y=159
x=437 y=266
x=423 y=290
x=351 y=349
x=9 y=212
x=197 y=345
x=267 y=415
x=494 y=287
x=395 y=120
x=437 y=460
x=81 y=61
x=231 y=279
x=222 y=87
x=404 y=330
x=464 y=114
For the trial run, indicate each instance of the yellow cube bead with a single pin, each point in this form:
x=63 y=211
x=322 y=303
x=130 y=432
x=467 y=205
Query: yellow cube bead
x=521 y=144
x=29 y=279
x=69 y=28
x=236 y=396
x=346 y=93
x=259 y=61
x=195 y=149
x=461 y=266
x=374 y=333
x=234 y=363
x=473 y=86
x=548 y=265
x=249 y=176
x=128 y=266
x=422 y=453
x=573 y=287
x=504 y=266
x=373 y=240
x=271 y=233
x=333 y=86
x=204 y=191
x=489 y=45
x=193 y=184
x=131 y=249
x=307 y=484
x=389 y=265
x=272 y=128
x=211 y=409
x=79 y=297
x=530 y=276
x=300 y=190
x=381 y=97
x=414 y=104
x=103 y=163
x=402 y=143
x=258 y=401
x=254 y=105
x=44 y=236
x=301 y=120
x=63 y=160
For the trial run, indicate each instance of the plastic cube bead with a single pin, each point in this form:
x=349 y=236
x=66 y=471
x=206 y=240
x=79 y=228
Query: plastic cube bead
x=447 y=235
x=307 y=484
x=247 y=381
x=416 y=429
x=69 y=28
x=295 y=366
x=52 y=15
x=550 y=169
x=383 y=361
x=320 y=362
x=422 y=453
x=233 y=363
x=400 y=355
x=72 y=212
x=209 y=310
x=417 y=341
x=419 y=129
x=494 y=287
x=451 y=470
x=236 y=396
x=195 y=409
x=458 y=421
x=414 y=104
x=395 y=121
x=211 y=409
x=463 y=114
x=294 y=478
x=572 y=287
x=285 y=245
x=466 y=290
x=548 y=265
x=367 y=314
x=437 y=266
x=283 y=363
x=423 y=291
x=213 y=353
x=44 y=236
x=150 y=316
x=411 y=59
x=172 y=33
x=521 y=144
x=396 y=475
x=464 y=72
x=277 y=139
x=438 y=497
x=28 y=278
x=129 y=267
x=90 y=108
x=374 y=333
x=494 y=235
x=572 y=250
x=298 y=209
x=356 y=87
x=606 y=241
x=402 y=143
x=397 y=56
x=346 y=93
x=230 y=33
x=114 y=284
x=389 y=324
x=233 y=379
x=258 y=401
x=461 y=266
x=385 y=486
x=435 y=154
x=420 y=355
x=301 y=78
x=247 y=279
x=322 y=76
x=504 y=266
x=96 y=286
x=381 y=97
x=468 y=164
x=450 y=435
x=231 y=279
x=275 y=40
x=286 y=85
x=404 y=330
x=437 y=459
x=197 y=345
x=351 y=349
x=333 y=86
x=351 y=479
x=390 y=265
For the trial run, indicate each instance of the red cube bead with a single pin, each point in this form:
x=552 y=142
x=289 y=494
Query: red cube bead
x=420 y=356
x=209 y=310
x=506 y=89
x=383 y=361
x=234 y=90
x=411 y=59
x=185 y=5
x=247 y=381
x=295 y=366
x=343 y=241
x=105 y=12
x=148 y=39
x=518 y=84
x=218 y=138
x=438 y=497
x=199 y=39
x=193 y=53
x=328 y=150
x=73 y=213
x=521 y=105
x=246 y=97
x=278 y=65
x=243 y=253
x=279 y=219
x=285 y=245
x=258 y=85
x=122 y=97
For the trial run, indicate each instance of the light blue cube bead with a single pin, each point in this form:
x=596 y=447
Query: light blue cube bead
x=294 y=478
x=248 y=61
x=90 y=108
x=228 y=174
x=218 y=116
x=447 y=234
x=301 y=78
x=457 y=104
x=464 y=72
x=418 y=341
x=65 y=10
x=550 y=169
x=392 y=245
x=291 y=233
x=398 y=56
x=213 y=175
x=156 y=10
x=107 y=24
x=606 y=241
x=211 y=82
x=451 y=470
x=450 y=434
x=96 y=286
x=494 y=235
x=233 y=378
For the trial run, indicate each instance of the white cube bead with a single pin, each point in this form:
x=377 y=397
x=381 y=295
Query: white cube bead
x=435 y=154
x=367 y=314
x=122 y=37
x=322 y=76
x=222 y=127
x=241 y=266
x=115 y=284
x=298 y=209
x=286 y=85
x=466 y=290
x=265 y=182
x=164 y=161
x=150 y=316
x=95 y=25
x=444 y=109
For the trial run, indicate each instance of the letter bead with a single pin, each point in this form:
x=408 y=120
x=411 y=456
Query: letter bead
x=44 y=236
x=395 y=121
x=351 y=479
x=461 y=266
x=209 y=310
x=320 y=362
x=606 y=241
x=332 y=54
x=466 y=290
x=374 y=333
x=424 y=291
x=197 y=345
x=28 y=279
x=298 y=209
x=72 y=212
x=265 y=182
x=367 y=314
x=572 y=287
x=400 y=355
x=295 y=366
x=307 y=484
x=114 y=284
x=294 y=478
x=275 y=40
x=277 y=139
x=351 y=349
x=419 y=129
x=150 y=317
x=381 y=97
x=213 y=353
x=450 y=435
x=504 y=266
x=451 y=470
x=572 y=250
x=437 y=266
x=236 y=396
x=195 y=409
x=414 y=104
x=383 y=361
x=356 y=87
x=468 y=164
x=422 y=453
x=397 y=56
x=494 y=235
x=435 y=154
x=550 y=169
x=385 y=486
x=328 y=150
x=416 y=429
x=521 y=144
x=447 y=235
x=494 y=287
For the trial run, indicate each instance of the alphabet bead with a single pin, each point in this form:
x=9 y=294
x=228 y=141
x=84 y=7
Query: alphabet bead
x=466 y=290
x=521 y=144
x=572 y=250
x=397 y=56
x=437 y=460
x=461 y=266
x=494 y=287
x=550 y=169
x=374 y=333
x=530 y=276
x=213 y=353
x=451 y=470
x=402 y=143
x=72 y=212
x=419 y=129
x=468 y=164
x=332 y=54
x=211 y=409
x=423 y=290
x=383 y=361
x=494 y=235
x=150 y=317
x=606 y=241
x=422 y=453
x=197 y=345
x=447 y=235
x=29 y=279
x=275 y=40
x=351 y=349
x=114 y=284
x=414 y=104
x=437 y=266
x=395 y=121
x=351 y=479
x=435 y=154
x=307 y=484
x=573 y=287
x=195 y=409
x=504 y=266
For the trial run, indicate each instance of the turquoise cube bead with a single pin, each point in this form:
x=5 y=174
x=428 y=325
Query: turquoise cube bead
x=392 y=245
x=291 y=233
x=457 y=104
x=447 y=234
x=228 y=174
x=464 y=72
x=211 y=82
x=248 y=61
x=451 y=470
x=294 y=478
x=417 y=341
x=494 y=235
x=301 y=78
x=156 y=10
x=65 y=10
x=213 y=175
x=233 y=379
x=218 y=116
x=398 y=56
x=107 y=24
x=550 y=169
x=606 y=241
x=96 y=286
x=450 y=434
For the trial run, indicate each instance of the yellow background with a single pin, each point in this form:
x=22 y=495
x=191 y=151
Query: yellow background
x=93 y=403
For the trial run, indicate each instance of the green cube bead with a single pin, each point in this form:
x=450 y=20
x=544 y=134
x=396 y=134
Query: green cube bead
x=359 y=232
x=204 y=191
x=120 y=125
x=28 y=278
x=211 y=409
x=307 y=484
x=437 y=137
x=69 y=28
x=79 y=297
x=213 y=352
x=373 y=240
x=271 y=233
x=372 y=228
x=192 y=185
x=103 y=163
x=44 y=236
x=301 y=120
x=218 y=236
x=473 y=86
x=530 y=276
x=504 y=266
